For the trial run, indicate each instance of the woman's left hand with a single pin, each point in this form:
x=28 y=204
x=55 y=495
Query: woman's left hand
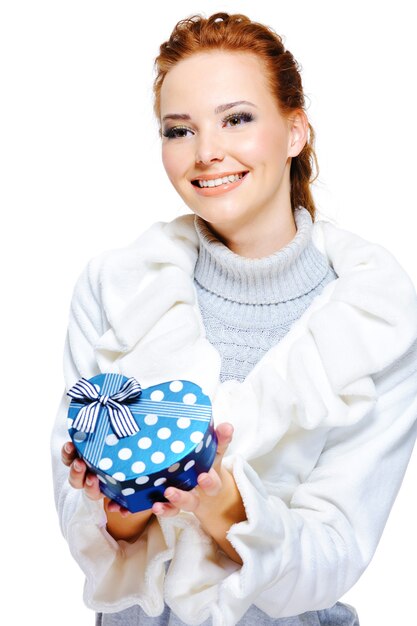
x=213 y=486
x=215 y=501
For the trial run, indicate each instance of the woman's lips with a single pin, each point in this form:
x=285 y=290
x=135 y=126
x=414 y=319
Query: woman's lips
x=221 y=189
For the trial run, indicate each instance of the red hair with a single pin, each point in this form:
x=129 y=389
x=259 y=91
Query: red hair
x=237 y=33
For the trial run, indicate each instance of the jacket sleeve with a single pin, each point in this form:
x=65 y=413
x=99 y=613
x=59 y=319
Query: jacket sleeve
x=304 y=554
x=114 y=570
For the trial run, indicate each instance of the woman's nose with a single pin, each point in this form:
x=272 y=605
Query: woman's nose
x=209 y=148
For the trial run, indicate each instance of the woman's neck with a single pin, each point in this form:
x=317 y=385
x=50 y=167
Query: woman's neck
x=260 y=238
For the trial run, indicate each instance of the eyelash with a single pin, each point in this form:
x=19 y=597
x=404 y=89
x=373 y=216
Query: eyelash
x=247 y=117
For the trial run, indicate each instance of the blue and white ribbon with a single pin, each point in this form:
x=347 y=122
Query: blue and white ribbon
x=121 y=418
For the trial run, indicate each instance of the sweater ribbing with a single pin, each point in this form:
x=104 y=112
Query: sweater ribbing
x=248 y=305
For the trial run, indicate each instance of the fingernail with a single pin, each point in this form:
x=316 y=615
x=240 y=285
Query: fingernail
x=158 y=508
x=171 y=494
x=67 y=448
x=77 y=466
x=89 y=481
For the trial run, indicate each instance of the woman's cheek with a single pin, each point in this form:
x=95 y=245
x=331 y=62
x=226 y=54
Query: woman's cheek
x=168 y=160
x=178 y=161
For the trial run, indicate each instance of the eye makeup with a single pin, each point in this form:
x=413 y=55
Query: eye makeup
x=243 y=117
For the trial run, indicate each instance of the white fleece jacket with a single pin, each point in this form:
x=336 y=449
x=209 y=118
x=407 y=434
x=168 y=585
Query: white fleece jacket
x=324 y=428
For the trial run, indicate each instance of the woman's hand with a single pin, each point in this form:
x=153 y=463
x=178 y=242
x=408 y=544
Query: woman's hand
x=121 y=523
x=216 y=501
x=213 y=486
x=81 y=478
x=210 y=484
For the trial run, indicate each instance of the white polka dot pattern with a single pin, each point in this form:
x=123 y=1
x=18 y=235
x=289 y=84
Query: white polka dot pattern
x=150 y=419
x=105 y=464
x=189 y=398
x=142 y=480
x=124 y=454
x=177 y=446
x=138 y=467
x=176 y=386
x=158 y=457
x=157 y=395
x=196 y=436
x=145 y=443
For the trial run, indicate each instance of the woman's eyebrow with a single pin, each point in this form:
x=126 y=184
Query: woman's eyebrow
x=219 y=109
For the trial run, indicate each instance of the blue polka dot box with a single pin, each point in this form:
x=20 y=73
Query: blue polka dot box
x=140 y=441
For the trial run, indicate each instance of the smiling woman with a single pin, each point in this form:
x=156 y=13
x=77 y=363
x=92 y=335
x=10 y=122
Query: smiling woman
x=254 y=138
x=287 y=324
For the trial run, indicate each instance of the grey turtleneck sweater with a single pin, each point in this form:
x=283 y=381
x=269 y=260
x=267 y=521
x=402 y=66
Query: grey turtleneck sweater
x=248 y=305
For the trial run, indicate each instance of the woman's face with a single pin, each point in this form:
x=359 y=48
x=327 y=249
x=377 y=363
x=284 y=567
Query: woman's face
x=218 y=118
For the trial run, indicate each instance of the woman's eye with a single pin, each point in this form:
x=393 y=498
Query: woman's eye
x=178 y=131
x=238 y=118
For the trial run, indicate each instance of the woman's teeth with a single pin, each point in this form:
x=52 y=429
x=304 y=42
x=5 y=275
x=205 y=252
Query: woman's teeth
x=220 y=181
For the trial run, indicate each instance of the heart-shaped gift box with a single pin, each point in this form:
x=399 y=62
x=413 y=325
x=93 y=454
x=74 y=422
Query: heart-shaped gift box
x=140 y=441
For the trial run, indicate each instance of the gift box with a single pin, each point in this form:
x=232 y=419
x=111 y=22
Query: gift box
x=140 y=441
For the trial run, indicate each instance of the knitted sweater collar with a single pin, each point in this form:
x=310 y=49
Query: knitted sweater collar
x=289 y=273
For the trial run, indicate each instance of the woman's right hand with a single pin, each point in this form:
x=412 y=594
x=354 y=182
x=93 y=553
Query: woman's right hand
x=79 y=476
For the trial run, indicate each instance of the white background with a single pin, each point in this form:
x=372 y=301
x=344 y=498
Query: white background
x=80 y=172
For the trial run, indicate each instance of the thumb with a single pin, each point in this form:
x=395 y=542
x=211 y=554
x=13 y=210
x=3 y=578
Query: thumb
x=224 y=433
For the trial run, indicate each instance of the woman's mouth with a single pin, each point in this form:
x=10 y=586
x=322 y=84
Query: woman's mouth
x=217 y=186
x=216 y=182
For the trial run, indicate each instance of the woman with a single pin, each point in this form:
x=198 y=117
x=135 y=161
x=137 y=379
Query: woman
x=304 y=335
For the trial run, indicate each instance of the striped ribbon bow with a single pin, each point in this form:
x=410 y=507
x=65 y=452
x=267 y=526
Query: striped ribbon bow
x=121 y=418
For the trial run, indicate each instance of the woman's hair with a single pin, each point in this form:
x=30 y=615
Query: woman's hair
x=237 y=33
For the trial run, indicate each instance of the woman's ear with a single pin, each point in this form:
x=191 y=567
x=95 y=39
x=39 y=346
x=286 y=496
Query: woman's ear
x=298 y=125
